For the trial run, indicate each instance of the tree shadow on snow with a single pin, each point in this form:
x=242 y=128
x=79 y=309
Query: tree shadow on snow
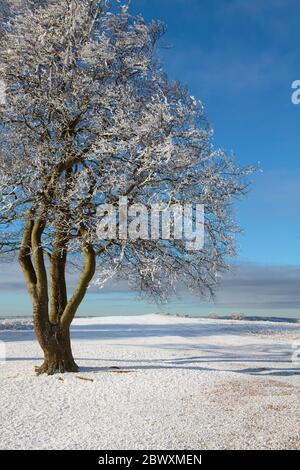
x=207 y=358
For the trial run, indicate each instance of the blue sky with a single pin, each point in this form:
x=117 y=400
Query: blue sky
x=240 y=58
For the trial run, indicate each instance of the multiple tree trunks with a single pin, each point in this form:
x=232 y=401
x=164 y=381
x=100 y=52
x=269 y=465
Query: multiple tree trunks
x=52 y=328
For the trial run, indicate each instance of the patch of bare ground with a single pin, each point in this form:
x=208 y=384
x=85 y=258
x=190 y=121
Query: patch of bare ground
x=238 y=390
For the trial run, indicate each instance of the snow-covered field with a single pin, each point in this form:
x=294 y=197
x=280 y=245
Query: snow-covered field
x=155 y=382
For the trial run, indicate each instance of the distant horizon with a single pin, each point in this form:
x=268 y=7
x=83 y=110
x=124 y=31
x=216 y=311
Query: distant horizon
x=250 y=289
x=126 y=304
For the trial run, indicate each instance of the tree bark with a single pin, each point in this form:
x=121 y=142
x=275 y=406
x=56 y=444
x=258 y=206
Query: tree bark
x=52 y=331
x=58 y=287
x=58 y=355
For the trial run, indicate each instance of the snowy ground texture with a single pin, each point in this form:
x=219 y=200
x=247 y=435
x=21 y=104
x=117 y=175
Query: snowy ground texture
x=155 y=382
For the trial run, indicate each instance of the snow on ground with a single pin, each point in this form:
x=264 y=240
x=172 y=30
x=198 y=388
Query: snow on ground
x=155 y=382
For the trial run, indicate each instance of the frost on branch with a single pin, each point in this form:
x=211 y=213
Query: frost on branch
x=90 y=116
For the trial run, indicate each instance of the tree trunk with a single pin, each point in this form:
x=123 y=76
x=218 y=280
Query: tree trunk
x=58 y=287
x=53 y=332
x=56 y=344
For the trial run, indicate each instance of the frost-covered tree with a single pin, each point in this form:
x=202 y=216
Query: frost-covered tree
x=90 y=116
